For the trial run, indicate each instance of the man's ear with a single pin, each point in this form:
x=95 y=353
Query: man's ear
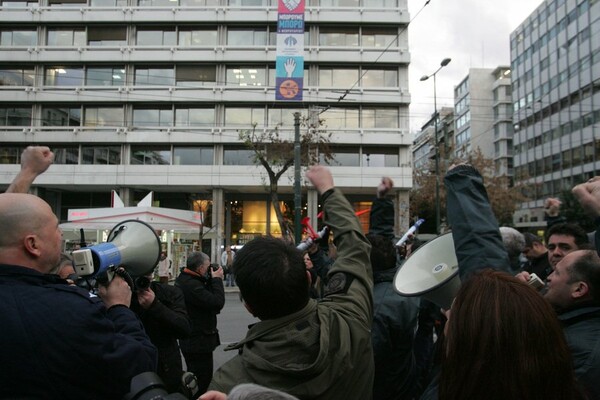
x=580 y=290
x=31 y=244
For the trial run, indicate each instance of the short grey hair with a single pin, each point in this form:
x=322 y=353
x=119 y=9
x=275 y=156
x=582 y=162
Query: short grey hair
x=513 y=241
x=250 y=391
x=196 y=259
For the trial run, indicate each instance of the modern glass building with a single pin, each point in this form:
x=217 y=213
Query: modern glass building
x=150 y=95
x=555 y=57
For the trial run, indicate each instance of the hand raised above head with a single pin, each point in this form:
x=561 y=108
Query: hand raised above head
x=320 y=177
x=588 y=195
x=36 y=159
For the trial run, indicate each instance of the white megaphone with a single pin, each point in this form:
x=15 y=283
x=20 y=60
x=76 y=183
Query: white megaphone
x=131 y=244
x=431 y=272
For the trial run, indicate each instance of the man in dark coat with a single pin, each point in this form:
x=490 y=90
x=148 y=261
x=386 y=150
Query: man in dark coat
x=161 y=309
x=394 y=316
x=204 y=298
x=537 y=256
x=57 y=340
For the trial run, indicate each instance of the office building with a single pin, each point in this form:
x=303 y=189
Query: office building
x=555 y=58
x=150 y=95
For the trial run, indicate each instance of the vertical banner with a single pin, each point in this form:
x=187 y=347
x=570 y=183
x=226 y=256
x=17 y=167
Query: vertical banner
x=289 y=72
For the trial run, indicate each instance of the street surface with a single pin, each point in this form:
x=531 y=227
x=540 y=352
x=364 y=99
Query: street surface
x=232 y=323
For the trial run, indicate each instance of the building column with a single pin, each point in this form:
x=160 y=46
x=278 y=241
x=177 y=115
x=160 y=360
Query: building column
x=126 y=195
x=218 y=218
x=312 y=202
x=402 y=210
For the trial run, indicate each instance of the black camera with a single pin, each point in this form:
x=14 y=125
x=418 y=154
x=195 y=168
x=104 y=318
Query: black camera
x=214 y=267
x=149 y=386
x=141 y=283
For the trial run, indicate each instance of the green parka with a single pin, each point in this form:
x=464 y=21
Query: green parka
x=324 y=350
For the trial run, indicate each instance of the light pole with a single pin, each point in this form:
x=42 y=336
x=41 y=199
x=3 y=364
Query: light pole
x=444 y=62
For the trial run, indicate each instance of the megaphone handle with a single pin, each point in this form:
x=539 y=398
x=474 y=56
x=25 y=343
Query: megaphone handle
x=125 y=275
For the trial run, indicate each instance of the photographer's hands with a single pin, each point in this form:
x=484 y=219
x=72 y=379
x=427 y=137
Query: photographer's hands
x=218 y=273
x=145 y=298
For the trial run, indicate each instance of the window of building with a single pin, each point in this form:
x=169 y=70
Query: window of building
x=67 y=37
x=247 y=37
x=195 y=117
x=198 y=37
x=343 y=157
x=197 y=3
x=101 y=155
x=104 y=116
x=156 y=37
x=17 y=3
x=17 y=76
x=108 y=3
x=338 y=37
x=107 y=36
x=10 y=155
x=283 y=117
x=154 y=76
x=105 y=76
x=18 y=37
x=15 y=116
x=247 y=76
x=380 y=118
x=150 y=155
x=201 y=155
x=252 y=3
x=66 y=155
x=380 y=78
x=195 y=75
x=64 y=76
x=244 y=117
x=237 y=155
x=152 y=117
x=339 y=118
x=338 y=77
x=379 y=37
x=61 y=116
x=339 y=3
x=380 y=157
x=67 y=3
x=156 y=3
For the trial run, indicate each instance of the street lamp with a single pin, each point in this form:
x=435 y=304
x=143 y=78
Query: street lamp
x=444 y=62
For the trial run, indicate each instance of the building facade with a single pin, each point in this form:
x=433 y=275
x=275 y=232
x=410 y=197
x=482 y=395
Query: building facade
x=150 y=95
x=555 y=58
x=482 y=111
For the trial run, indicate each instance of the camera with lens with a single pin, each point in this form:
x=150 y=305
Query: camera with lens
x=141 y=283
x=149 y=386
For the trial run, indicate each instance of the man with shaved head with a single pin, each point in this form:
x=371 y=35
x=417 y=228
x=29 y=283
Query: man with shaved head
x=58 y=341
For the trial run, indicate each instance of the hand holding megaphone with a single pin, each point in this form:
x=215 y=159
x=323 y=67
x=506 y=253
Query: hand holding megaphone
x=117 y=292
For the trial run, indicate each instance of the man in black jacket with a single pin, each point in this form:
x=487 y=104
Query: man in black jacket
x=161 y=308
x=204 y=298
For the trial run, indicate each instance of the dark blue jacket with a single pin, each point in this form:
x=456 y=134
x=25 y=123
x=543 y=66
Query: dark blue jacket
x=582 y=331
x=59 y=343
x=392 y=334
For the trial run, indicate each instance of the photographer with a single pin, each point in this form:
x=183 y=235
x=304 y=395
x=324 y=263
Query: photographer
x=161 y=308
x=204 y=296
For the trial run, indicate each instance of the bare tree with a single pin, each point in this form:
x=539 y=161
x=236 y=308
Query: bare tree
x=504 y=196
x=275 y=153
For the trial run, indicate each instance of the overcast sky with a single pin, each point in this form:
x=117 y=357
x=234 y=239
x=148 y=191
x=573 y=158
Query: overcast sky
x=473 y=33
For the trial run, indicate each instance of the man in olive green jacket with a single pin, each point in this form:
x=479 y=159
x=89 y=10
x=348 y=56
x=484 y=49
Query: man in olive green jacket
x=309 y=349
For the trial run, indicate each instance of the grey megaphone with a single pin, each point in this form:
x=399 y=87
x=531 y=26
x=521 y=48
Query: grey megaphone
x=431 y=272
x=131 y=244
